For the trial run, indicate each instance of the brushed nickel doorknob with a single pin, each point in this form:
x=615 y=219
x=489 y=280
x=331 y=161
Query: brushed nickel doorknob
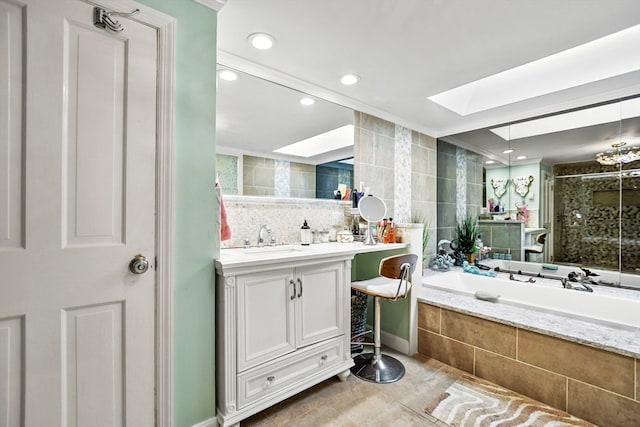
x=139 y=264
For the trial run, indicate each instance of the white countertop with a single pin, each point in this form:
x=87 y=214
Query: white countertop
x=240 y=257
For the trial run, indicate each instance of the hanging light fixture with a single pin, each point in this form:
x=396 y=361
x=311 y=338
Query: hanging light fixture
x=619 y=154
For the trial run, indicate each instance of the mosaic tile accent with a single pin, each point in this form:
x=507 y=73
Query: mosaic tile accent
x=227 y=171
x=402 y=175
x=285 y=216
x=461 y=184
x=590 y=216
x=282 y=178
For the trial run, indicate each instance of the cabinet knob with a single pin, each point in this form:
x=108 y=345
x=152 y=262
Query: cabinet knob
x=324 y=358
x=270 y=380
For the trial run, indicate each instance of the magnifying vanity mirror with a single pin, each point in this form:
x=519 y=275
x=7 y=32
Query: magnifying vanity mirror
x=372 y=209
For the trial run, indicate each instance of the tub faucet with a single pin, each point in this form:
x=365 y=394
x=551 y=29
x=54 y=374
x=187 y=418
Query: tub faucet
x=577 y=277
x=266 y=228
x=441 y=249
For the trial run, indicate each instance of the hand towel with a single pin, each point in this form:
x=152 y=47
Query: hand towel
x=225 y=230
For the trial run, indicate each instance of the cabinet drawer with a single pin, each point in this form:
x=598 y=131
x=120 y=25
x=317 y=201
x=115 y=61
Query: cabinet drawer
x=287 y=371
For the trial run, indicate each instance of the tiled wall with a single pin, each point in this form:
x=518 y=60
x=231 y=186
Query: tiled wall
x=459 y=187
x=588 y=213
x=227 y=171
x=285 y=217
x=329 y=176
x=268 y=177
x=399 y=166
x=597 y=385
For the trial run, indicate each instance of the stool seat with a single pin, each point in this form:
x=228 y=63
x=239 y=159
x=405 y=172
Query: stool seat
x=393 y=283
x=381 y=287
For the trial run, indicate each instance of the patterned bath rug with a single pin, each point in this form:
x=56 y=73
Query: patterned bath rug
x=472 y=402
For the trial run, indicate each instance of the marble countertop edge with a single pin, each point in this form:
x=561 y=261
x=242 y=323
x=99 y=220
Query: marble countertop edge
x=622 y=341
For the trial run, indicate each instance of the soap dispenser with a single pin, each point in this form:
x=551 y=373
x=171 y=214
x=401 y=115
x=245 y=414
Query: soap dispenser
x=305 y=234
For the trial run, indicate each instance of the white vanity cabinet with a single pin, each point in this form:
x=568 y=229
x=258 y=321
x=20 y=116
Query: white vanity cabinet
x=282 y=326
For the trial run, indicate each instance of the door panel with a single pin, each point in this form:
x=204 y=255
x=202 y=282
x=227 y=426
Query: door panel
x=94 y=141
x=88 y=180
x=11 y=137
x=319 y=312
x=94 y=365
x=265 y=317
x=11 y=363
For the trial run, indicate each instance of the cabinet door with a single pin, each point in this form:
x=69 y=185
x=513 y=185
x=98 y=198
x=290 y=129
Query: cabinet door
x=265 y=316
x=319 y=302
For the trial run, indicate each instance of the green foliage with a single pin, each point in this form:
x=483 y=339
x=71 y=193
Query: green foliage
x=419 y=218
x=467 y=235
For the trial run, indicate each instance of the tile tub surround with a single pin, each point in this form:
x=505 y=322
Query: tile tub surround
x=567 y=363
x=283 y=215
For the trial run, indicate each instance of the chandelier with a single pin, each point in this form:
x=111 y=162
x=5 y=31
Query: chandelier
x=619 y=154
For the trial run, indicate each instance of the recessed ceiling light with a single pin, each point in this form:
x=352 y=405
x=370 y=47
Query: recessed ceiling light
x=227 y=75
x=489 y=162
x=349 y=79
x=307 y=101
x=597 y=60
x=261 y=41
x=508 y=151
x=521 y=157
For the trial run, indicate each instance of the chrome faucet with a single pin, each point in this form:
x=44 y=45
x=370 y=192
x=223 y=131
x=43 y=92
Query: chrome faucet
x=580 y=278
x=266 y=228
x=441 y=249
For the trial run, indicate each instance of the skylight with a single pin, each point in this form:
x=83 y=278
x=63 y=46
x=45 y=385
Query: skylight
x=572 y=120
x=607 y=57
x=323 y=143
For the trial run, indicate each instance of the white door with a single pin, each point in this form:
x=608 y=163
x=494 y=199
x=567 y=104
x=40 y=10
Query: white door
x=77 y=203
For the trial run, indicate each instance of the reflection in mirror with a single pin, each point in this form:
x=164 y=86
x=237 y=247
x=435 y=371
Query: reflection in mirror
x=270 y=139
x=550 y=175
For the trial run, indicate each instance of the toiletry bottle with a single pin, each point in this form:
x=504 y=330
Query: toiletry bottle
x=479 y=249
x=305 y=234
x=391 y=232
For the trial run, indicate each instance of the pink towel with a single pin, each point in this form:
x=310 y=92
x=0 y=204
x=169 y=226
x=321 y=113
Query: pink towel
x=225 y=230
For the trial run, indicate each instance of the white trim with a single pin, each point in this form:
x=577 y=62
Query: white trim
x=241 y=64
x=165 y=224
x=211 y=422
x=395 y=342
x=212 y=4
x=166 y=28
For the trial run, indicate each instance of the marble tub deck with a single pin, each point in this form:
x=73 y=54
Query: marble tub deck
x=625 y=341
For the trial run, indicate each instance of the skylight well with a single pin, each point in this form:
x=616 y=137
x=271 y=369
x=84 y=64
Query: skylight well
x=325 y=142
x=607 y=57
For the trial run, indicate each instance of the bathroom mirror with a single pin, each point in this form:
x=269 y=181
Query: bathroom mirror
x=255 y=117
x=589 y=212
x=372 y=209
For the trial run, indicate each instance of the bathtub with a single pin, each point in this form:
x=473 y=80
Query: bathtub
x=610 y=306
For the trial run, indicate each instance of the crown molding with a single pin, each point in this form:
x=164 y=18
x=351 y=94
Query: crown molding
x=212 y=4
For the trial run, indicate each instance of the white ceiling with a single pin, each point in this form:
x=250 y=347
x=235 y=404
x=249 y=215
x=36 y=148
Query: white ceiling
x=405 y=51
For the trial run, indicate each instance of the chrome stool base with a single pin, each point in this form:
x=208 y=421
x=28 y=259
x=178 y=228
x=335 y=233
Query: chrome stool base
x=382 y=369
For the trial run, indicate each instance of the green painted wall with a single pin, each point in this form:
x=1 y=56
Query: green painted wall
x=395 y=316
x=195 y=236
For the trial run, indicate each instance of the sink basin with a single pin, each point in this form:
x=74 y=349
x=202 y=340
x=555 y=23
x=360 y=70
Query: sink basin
x=275 y=249
x=266 y=250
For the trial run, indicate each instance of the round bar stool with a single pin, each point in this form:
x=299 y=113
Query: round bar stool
x=392 y=284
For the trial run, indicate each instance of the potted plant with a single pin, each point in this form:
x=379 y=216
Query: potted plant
x=466 y=237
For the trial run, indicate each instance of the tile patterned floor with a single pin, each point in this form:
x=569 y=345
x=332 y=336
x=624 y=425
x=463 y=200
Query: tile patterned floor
x=359 y=403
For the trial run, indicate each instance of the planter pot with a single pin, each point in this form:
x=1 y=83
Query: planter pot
x=471 y=257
